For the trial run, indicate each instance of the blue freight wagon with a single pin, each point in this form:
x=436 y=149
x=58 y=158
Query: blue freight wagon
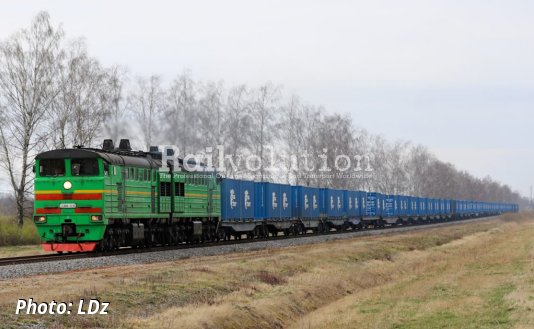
x=335 y=208
x=374 y=204
x=273 y=205
x=305 y=202
x=353 y=208
x=420 y=208
x=363 y=203
x=306 y=206
x=237 y=205
x=257 y=209
x=436 y=209
x=412 y=208
x=405 y=208
x=273 y=201
x=391 y=209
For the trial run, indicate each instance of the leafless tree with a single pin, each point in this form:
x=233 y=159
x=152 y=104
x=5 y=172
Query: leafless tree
x=83 y=101
x=237 y=128
x=181 y=117
x=115 y=122
x=211 y=114
x=309 y=139
x=291 y=128
x=264 y=111
x=28 y=70
x=146 y=102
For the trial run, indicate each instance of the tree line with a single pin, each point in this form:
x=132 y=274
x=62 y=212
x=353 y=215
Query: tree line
x=53 y=94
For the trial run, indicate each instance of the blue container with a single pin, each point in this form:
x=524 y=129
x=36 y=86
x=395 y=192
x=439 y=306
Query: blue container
x=432 y=205
x=273 y=201
x=297 y=202
x=463 y=207
x=285 y=199
x=334 y=202
x=428 y=206
x=237 y=200
x=362 y=197
x=402 y=203
x=414 y=206
x=352 y=204
x=389 y=206
x=421 y=207
x=305 y=201
x=322 y=201
x=373 y=205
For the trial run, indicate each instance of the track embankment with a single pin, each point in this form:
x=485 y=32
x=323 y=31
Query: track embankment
x=475 y=274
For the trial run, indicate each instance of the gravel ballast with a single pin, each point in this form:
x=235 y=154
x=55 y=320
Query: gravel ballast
x=21 y=270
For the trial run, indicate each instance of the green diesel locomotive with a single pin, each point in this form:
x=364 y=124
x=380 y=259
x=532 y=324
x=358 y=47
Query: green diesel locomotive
x=102 y=199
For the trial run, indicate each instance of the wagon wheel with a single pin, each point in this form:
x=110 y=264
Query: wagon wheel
x=257 y=233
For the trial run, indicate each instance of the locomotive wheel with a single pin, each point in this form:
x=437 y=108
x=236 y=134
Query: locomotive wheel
x=221 y=235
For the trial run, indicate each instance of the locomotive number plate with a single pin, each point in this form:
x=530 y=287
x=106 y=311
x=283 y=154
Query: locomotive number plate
x=67 y=205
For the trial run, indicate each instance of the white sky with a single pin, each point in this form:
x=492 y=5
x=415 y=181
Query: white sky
x=457 y=76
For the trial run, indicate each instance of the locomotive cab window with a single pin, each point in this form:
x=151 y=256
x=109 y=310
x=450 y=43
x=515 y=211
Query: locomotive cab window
x=106 y=169
x=51 y=167
x=84 y=167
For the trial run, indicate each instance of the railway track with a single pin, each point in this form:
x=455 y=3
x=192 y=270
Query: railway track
x=39 y=258
x=126 y=251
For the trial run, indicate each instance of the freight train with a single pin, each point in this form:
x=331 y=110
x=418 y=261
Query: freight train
x=102 y=199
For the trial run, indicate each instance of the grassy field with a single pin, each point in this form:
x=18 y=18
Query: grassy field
x=476 y=275
x=12 y=235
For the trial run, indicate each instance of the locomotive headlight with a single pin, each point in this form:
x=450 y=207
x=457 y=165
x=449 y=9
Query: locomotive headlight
x=39 y=219
x=96 y=218
x=67 y=185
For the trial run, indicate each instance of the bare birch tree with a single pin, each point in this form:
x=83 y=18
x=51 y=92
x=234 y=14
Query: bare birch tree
x=81 y=106
x=28 y=70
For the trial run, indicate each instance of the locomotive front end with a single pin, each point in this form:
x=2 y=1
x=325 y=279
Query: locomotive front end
x=69 y=202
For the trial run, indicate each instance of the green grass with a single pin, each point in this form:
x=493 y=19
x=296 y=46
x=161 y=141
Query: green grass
x=496 y=313
x=13 y=235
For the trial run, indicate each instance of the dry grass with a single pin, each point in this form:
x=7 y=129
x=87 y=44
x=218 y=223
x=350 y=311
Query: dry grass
x=17 y=251
x=467 y=276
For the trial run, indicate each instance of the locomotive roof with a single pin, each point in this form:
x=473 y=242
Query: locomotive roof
x=112 y=158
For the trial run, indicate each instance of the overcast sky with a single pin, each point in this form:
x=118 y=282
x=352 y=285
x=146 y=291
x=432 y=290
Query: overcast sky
x=457 y=76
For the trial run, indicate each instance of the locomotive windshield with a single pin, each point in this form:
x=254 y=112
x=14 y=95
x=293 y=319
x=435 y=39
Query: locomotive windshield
x=84 y=167
x=52 y=167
